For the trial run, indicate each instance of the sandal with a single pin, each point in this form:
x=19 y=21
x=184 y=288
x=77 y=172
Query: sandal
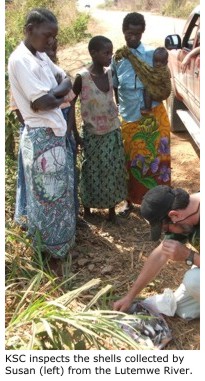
x=126 y=212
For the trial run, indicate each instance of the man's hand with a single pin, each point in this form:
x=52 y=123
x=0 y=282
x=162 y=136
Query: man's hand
x=175 y=250
x=123 y=304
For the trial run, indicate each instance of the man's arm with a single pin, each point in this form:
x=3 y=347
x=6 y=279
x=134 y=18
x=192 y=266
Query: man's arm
x=150 y=270
x=177 y=252
x=168 y=249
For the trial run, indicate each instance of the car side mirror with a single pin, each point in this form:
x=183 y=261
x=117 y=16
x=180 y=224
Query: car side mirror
x=173 y=41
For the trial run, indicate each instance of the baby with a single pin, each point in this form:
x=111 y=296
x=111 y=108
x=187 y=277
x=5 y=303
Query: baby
x=160 y=58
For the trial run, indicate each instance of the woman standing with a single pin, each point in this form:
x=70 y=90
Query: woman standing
x=146 y=139
x=47 y=155
x=103 y=176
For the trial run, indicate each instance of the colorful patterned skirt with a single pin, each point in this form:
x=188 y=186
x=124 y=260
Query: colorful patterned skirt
x=103 y=181
x=20 y=216
x=147 y=152
x=49 y=176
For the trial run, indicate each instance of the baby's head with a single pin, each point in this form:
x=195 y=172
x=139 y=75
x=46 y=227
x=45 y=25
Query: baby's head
x=160 y=57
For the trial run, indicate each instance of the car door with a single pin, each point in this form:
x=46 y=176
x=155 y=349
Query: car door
x=189 y=81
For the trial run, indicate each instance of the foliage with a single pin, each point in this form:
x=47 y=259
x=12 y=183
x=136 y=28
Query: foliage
x=179 y=8
x=10 y=181
x=75 y=32
x=10 y=119
x=38 y=319
x=106 y=4
x=71 y=23
x=174 y=8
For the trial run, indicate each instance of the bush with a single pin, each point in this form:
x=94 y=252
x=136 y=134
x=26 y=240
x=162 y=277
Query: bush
x=10 y=119
x=179 y=8
x=74 y=33
x=174 y=8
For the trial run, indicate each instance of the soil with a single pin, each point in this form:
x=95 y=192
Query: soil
x=116 y=253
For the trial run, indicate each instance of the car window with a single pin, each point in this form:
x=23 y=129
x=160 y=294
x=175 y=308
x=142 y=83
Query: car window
x=190 y=38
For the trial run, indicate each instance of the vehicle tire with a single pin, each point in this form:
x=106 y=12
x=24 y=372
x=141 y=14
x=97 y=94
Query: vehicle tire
x=173 y=104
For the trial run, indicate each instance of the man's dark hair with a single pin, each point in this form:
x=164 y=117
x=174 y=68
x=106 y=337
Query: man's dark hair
x=181 y=199
x=96 y=43
x=40 y=15
x=133 y=18
x=158 y=202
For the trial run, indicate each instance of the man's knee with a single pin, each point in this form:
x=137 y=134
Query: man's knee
x=188 y=295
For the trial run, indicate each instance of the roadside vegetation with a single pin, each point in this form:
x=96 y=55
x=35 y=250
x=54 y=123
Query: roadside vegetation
x=171 y=8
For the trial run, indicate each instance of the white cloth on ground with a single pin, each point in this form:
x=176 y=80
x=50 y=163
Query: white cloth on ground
x=188 y=295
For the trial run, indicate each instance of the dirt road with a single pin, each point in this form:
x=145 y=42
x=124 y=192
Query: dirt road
x=109 y=23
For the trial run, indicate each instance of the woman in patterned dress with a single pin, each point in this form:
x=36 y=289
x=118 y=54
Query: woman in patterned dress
x=103 y=175
x=46 y=153
x=146 y=138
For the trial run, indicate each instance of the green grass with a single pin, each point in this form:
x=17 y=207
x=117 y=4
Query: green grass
x=39 y=319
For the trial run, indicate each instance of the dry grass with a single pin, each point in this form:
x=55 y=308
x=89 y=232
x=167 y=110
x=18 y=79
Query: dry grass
x=116 y=254
x=67 y=11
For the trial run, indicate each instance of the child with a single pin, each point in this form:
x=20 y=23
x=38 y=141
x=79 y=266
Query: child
x=103 y=177
x=160 y=58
